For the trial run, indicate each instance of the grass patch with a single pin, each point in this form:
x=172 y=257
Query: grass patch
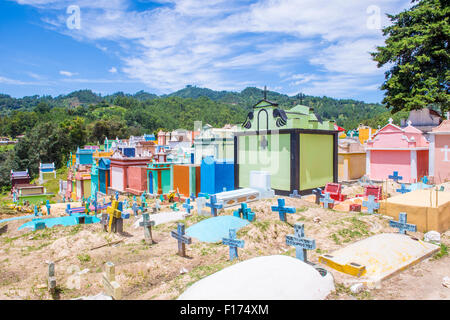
x=442 y=253
x=84 y=257
x=262 y=225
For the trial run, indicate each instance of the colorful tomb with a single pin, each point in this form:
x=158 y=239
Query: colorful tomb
x=119 y=170
x=395 y=149
x=84 y=156
x=186 y=179
x=439 y=156
x=46 y=171
x=104 y=175
x=83 y=183
x=19 y=177
x=31 y=193
x=351 y=159
x=215 y=175
x=294 y=146
x=159 y=178
x=137 y=180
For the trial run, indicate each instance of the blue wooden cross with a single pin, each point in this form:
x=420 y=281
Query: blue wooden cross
x=48 y=207
x=395 y=177
x=68 y=210
x=300 y=242
x=14 y=197
x=295 y=194
x=135 y=209
x=188 y=206
x=326 y=200
x=143 y=200
x=36 y=212
x=371 y=204
x=182 y=239
x=402 y=225
x=282 y=209
x=318 y=193
x=403 y=189
x=214 y=205
x=117 y=196
x=233 y=243
x=161 y=197
x=425 y=179
x=174 y=207
x=244 y=212
x=125 y=203
x=192 y=196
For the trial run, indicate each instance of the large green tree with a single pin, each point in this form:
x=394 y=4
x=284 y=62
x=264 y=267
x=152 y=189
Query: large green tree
x=416 y=50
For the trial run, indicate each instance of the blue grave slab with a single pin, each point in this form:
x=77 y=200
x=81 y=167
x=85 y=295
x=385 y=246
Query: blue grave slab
x=216 y=228
x=65 y=221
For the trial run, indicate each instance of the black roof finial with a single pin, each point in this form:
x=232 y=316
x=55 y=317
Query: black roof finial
x=265 y=92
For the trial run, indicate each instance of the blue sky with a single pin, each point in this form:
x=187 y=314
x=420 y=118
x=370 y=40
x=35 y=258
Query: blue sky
x=319 y=47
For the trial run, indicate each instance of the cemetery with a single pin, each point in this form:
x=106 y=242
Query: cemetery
x=343 y=215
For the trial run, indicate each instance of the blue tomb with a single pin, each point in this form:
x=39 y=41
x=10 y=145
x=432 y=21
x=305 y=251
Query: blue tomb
x=216 y=175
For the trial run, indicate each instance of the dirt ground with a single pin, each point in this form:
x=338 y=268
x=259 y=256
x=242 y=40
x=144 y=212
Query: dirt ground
x=157 y=272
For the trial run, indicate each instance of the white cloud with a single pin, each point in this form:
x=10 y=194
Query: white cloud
x=67 y=73
x=113 y=70
x=207 y=42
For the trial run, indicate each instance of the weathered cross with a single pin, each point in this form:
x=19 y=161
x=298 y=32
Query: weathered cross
x=233 y=243
x=326 y=200
x=48 y=207
x=300 y=242
x=192 y=196
x=445 y=150
x=214 y=205
x=402 y=225
x=111 y=286
x=244 y=212
x=117 y=195
x=403 y=189
x=68 y=210
x=182 y=239
x=143 y=200
x=188 y=206
x=36 y=212
x=295 y=194
x=174 y=207
x=135 y=209
x=147 y=224
x=115 y=217
x=395 y=177
x=282 y=209
x=318 y=193
x=51 y=278
x=371 y=204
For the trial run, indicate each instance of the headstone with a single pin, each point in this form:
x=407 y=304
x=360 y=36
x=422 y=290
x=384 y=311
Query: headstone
x=182 y=239
x=147 y=225
x=233 y=243
x=327 y=201
x=245 y=213
x=300 y=242
x=188 y=206
x=135 y=209
x=282 y=209
x=403 y=189
x=68 y=210
x=111 y=286
x=214 y=205
x=318 y=193
x=395 y=177
x=371 y=204
x=201 y=203
x=295 y=194
x=51 y=278
x=402 y=225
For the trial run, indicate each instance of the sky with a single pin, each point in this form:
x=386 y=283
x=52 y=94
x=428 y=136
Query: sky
x=317 y=47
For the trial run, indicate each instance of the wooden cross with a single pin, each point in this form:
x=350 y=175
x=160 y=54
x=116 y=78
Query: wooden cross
x=326 y=200
x=214 y=205
x=233 y=243
x=135 y=209
x=403 y=189
x=395 y=176
x=188 y=206
x=182 y=239
x=295 y=194
x=147 y=224
x=111 y=286
x=48 y=207
x=174 y=207
x=318 y=193
x=115 y=217
x=36 y=212
x=371 y=204
x=300 y=242
x=402 y=225
x=51 y=278
x=245 y=213
x=282 y=209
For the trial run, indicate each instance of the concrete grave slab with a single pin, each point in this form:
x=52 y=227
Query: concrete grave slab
x=163 y=217
x=275 y=277
x=378 y=257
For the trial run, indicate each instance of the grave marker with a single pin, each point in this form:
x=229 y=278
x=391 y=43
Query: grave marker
x=282 y=209
x=182 y=239
x=326 y=200
x=425 y=180
x=371 y=204
x=111 y=286
x=402 y=225
x=68 y=210
x=318 y=193
x=39 y=225
x=174 y=207
x=403 y=189
x=135 y=209
x=188 y=206
x=245 y=213
x=115 y=217
x=295 y=194
x=147 y=225
x=36 y=212
x=51 y=278
x=233 y=243
x=300 y=242
x=214 y=205
x=395 y=176
x=201 y=203
x=48 y=207
x=117 y=196
x=192 y=196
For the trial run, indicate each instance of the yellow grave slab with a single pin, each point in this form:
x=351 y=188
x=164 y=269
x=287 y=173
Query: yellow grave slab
x=378 y=257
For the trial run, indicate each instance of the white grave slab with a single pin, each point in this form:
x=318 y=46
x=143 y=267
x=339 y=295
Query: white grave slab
x=263 y=278
x=260 y=180
x=235 y=197
x=163 y=217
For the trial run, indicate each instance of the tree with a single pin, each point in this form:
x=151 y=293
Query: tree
x=42 y=107
x=416 y=48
